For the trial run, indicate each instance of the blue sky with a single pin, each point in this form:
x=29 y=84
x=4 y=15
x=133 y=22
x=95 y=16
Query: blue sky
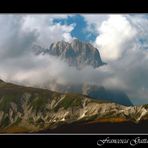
x=79 y=30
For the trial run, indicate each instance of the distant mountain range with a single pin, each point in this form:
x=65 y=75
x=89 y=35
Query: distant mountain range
x=26 y=109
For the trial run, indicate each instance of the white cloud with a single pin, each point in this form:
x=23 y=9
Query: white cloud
x=47 y=31
x=123 y=43
x=94 y=21
x=20 y=32
x=67 y=37
x=115 y=34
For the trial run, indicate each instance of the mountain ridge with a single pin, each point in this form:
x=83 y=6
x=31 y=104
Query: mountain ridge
x=27 y=109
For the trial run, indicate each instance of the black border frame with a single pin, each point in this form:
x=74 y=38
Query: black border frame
x=68 y=6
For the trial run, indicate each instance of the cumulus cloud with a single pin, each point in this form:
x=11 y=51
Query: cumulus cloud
x=94 y=21
x=115 y=34
x=18 y=34
x=14 y=42
x=47 y=30
x=122 y=42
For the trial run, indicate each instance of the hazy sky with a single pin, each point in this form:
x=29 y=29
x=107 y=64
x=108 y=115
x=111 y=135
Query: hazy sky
x=122 y=41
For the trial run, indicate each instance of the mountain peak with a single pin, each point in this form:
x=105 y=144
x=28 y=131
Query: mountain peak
x=77 y=53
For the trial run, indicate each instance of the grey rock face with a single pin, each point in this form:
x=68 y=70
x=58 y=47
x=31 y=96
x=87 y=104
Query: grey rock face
x=78 y=54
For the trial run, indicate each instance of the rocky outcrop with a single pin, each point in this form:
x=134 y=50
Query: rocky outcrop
x=78 y=54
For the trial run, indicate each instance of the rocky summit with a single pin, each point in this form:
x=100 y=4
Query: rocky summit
x=26 y=109
x=77 y=53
